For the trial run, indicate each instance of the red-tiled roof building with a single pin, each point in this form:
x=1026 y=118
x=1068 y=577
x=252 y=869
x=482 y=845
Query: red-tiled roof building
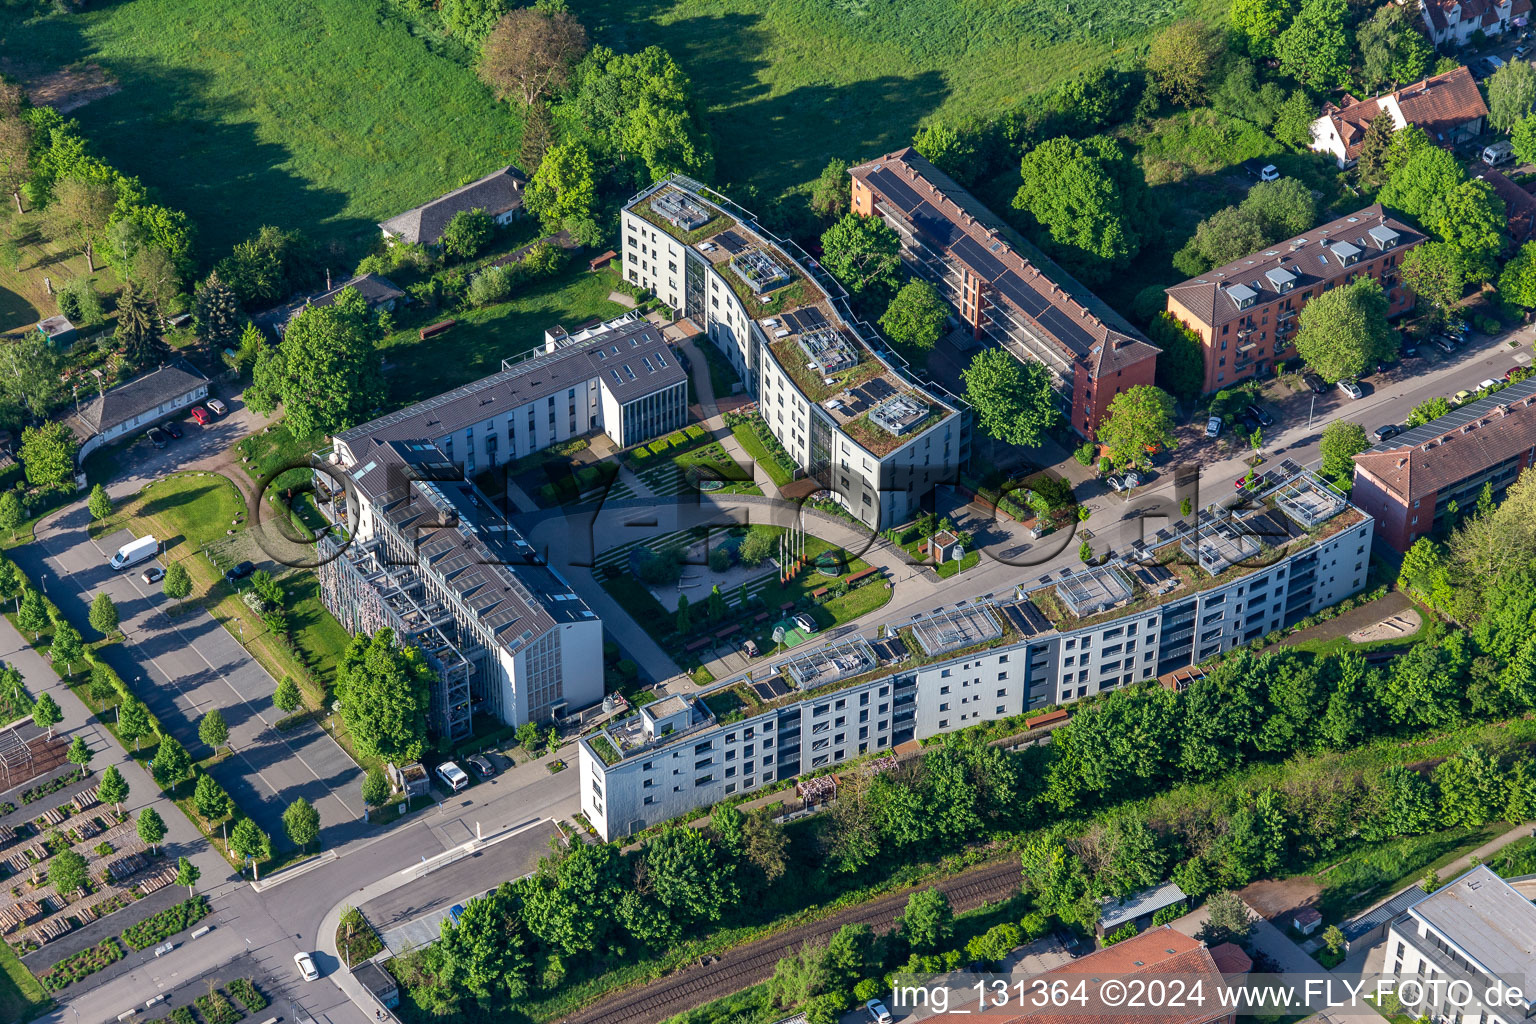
x=1407 y=483
x=1246 y=312
x=1448 y=107
x=1156 y=953
x=1519 y=205
x=1002 y=288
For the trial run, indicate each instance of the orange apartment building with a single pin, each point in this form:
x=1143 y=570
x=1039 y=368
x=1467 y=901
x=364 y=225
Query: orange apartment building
x=1246 y=312
x=1024 y=304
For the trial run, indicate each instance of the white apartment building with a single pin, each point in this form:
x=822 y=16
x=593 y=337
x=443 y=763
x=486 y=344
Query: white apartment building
x=1476 y=931
x=845 y=409
x=1235 y=578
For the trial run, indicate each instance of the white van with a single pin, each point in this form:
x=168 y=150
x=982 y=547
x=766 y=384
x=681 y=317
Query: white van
x=452 y=775
x=1498 y=153
x=134 y=552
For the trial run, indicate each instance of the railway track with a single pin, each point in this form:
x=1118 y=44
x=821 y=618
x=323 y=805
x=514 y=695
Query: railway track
x=748 y=965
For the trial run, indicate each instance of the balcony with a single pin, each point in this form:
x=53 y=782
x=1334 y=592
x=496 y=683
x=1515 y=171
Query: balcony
x=1243 y=332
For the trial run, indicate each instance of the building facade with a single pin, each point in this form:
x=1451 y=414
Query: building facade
x=1408 y=482
x=1453 y=22
x=847 y=411
x=1476 y=931
x=137 y=405
x=1023 y=304
x=1246 y=313
x=620 y=377
x=499 y=194
x=1448 y=107
x=429 y=557
x=1234 y=578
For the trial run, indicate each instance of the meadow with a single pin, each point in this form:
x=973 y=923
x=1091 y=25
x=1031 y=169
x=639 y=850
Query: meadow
x=328 y=116
x=789 y=84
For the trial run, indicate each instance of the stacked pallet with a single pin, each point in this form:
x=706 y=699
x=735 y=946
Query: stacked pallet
x=51 y=929
x=86 y=798
x=159 y=880
x=18 y=914
x=125 y=867
x=54 y=816
x=87 y=829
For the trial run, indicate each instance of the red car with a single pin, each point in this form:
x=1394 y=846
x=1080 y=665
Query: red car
x=1512 y=371
x=201 y=415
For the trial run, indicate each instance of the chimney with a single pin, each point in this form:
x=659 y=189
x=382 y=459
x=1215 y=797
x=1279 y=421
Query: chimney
x=1401 y=463
x=327 y=278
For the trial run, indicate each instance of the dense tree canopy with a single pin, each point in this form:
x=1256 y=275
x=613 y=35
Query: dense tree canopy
x=865 y=255
x=1517 y=281
x=1342 y=440
x=1393 y=51
x=1272 y=210
x=325 y=371
x=1087 y=196
x=384 y=690
x=1344 y=332
x=1436 y=273
x=1183 y=57
x=1315 y=49
x=563 y=191
x=48 y=454
x=640 y=107
x=1014 y=401
x=1141 y=419
x=1511 y=91
x=529 y=54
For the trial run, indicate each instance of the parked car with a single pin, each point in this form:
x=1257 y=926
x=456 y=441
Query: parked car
x=1132 y=481
x=1071 y=942
x=877 y=1012
x=806 y=623
x=216 y=407
x=306 y=966
x=1259 y=169
x=1443 y=343
x=239 y=572
x=156 y=437
x=1512 y=371
x=1460 y=396
x=1409 y=350
x=482 y=765
x=172 y=429
x=201 y=415
x=154 y=574
x=1115 y=483
x=1213 y=426
x=1316 y=383
x=456 y=911
x=1388 y=431
x=1520 y=51
x=452 y=775
x=1259 y=414
x=1351 y=389
x=1484 y=385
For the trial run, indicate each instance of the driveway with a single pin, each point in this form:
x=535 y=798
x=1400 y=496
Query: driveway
x=211 y=447
x=184 y=667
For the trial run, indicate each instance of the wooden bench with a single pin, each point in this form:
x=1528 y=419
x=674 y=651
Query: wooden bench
x=432 y=330
x=863 y=574
x=727 y=631
x=786 y=606
x=598 y=262
x=697 y=645
x=819 y=593
x=760 y=617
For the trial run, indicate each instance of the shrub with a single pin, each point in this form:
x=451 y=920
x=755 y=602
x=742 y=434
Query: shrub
x=82 y=965
x=1486 y=324
x=490 y=286
x=1125 y=931
x=168 y=922
x=245 y=990
x=216 y=1009
x=1167 y=914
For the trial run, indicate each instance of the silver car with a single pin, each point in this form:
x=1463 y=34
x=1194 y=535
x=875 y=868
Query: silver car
x=1350 y=388
x=1213 y=426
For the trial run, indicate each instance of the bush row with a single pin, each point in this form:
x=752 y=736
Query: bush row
x=82 y=964
x=161 y=926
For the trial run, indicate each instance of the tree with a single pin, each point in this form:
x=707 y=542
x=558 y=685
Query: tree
x=684 y=620
x=302 y=823
x=16 y=136
x=1087 y=195
x=915 y=317
x=1511 y=91
x=1471 y=218
x=1293 y=122
x=268 y=266
x=1229 y=920
x=68 y=646
x=1344 y=331
x=216 y=313
x=1272 y=210
x=1180 y=365
x=564 y=188
x=482 y=953
x=1182 y=59
x=472 y=20
x=538 y=136
x=249 y=842
x=210 y=799
x=1139 y=418
x=1341 y=442
x=1427 y=410
x=213 y=730
x=1517 y=282
x=384 y=690
x=80 y=212
x=928 y=922
x=1376 y=148
x=133 y=721
x=529 y=54
x=1014 y=401
x=178 y=582
x=375 y=788
x=172 y=764
x=1418 y=175
x=287 y=697
x=1523 y=138
x=1435 y=272
x=99 y=504
x=136 y=327
x=151 y=827
x=766 y=844
x=48 y=454
x=32 y=614
x=1315 y=48
x=113 y=788
x=187 y=874
x=639 y=107
x=46 y=713
x=325 y=371
x=686 y=876
x=79 y=753
x=1259 y=23
x=11 y=512
x=67 y=872
x=467 y=233
x=864 y=254
x=1393 y=51
x=1473 y=788
x=831 y=194
x=103 y=617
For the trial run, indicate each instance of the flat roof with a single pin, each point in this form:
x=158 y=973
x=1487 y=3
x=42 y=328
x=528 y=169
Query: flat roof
x=1483 y=916
x=950 y=629
x=1114 y=912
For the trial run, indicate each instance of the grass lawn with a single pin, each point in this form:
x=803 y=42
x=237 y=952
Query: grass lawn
x=788 y=84
x=747 y=436
x=24 y=298
x=1378 y=870
x=21 y=997
x=482 y=338
x=189 y=509
x=276 y=448
x=327 y=116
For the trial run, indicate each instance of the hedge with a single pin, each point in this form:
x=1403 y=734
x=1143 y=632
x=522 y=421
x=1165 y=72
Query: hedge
x=82 y=964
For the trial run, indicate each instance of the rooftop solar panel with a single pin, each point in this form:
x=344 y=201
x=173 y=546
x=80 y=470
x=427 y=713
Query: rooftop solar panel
x=1066 y=330
x=936 y=226
x=878 y=389
x=977 y=257
x=1021 y=294
x=897 y=191
x=731 y=242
